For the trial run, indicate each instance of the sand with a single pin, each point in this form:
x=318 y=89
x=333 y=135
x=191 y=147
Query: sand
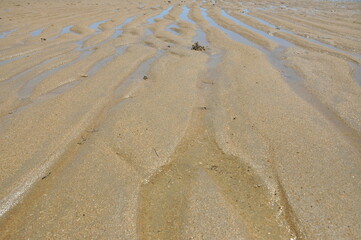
x=112 y=127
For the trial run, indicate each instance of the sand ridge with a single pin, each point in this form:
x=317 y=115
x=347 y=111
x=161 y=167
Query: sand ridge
x=112 y=127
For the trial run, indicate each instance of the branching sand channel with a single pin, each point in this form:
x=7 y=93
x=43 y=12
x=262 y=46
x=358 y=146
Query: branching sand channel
x=178 y=119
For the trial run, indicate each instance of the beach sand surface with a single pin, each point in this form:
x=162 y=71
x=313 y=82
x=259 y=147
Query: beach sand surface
x=113 y=127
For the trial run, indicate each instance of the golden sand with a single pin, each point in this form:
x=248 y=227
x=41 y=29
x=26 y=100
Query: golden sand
x=112 y=127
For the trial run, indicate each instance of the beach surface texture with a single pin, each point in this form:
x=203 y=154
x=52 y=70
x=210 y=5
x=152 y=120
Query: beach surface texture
x=180 y=119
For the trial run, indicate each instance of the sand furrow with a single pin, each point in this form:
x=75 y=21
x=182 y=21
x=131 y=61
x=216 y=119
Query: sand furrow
x=115 y=128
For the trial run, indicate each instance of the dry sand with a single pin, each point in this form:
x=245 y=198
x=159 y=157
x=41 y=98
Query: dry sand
x=257 y=137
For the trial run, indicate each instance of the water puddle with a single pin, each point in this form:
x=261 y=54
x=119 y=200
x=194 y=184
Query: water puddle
x=294 y=80
x=260 y=20
x=287 y=72
x=5 y=34
x=80 y=43
x=95 y=26
x=201 y=37
x=185 y=15
x=274 y=57
x=172 y=28
x=161 y=15
x=118 y=32
x=119 y=28
x=356 y=72
x=330 y=47
x=28 y=89
x=37 y=32
x=46 y=97
x=305 y=38
x=280 y=41
x=26 y=72
x=10 y=60
x=99 y=65
x=234 y=36
x=65 y=30
x=245 y=11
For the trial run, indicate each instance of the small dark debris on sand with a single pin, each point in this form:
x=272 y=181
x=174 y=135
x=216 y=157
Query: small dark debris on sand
x=145 y=77
x=156 y=152
x=213 y=167
x=46 y=176
x=197 y=47
x=82 y=141
x=43 y=39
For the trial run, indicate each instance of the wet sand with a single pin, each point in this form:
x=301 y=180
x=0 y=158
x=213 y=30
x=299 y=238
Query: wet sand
x=112 y=127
